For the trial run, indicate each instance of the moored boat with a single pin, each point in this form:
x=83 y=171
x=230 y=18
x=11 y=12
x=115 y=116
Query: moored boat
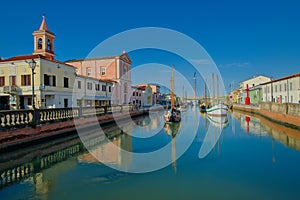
x=217 y=110
x=173 y=115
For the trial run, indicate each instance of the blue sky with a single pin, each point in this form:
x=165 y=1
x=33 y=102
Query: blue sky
x=244 y=38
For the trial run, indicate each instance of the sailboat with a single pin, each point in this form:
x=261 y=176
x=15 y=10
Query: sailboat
x=204 y=103
x=218 y=109
x=172 y=115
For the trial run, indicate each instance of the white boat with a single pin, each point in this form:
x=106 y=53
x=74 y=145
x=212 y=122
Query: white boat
x=217 y=110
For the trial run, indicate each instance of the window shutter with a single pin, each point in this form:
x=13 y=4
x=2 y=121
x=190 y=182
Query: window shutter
x=54 y=80
x=29 y=79
x=22 y=80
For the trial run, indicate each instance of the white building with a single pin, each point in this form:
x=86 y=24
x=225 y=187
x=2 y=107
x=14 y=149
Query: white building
x=90 y=91
x=282 y=90
x=251 y=82
x=147 y=97
x=136 y=96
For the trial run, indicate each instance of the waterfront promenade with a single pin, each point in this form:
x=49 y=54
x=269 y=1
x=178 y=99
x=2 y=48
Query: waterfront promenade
x=14 y=136
x=284 y=114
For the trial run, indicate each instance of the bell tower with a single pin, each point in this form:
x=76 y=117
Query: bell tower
x=44 y=41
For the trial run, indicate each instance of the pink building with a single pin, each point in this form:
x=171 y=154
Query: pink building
x=115 y=68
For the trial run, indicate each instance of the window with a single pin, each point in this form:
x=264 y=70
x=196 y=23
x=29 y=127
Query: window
x=133 y=94
x=291 y=99
x=79 y=84
x=137 y=94
x=285 y=87
x=291 y=86
x=66 y=82
x=109 y=88
x=89 y=86
x=49 y=45
x=125 y=87
x=103 y=88
x=89 y=71
x=280 y=88
x=103 y=71
x=29 y=103
x=253 y=85
x=275 y=88
x=49 y=80
x=268 y=89
x=12 y=80
x=97 y=86
x=2 y=81
x=40 y=43
x=124 y=70
x=25 y=80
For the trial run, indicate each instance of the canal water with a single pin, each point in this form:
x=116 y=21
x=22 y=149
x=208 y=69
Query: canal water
x=252 y=159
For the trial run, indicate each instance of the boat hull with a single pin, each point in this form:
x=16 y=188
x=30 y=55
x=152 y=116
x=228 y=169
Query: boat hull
x=173 y=116
x=217 y=110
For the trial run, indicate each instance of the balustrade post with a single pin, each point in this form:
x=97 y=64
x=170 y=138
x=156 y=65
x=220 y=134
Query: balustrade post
x=80 y=111
x=36 y=116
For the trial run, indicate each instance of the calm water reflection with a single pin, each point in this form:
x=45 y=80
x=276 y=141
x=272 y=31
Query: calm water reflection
x=253 y=159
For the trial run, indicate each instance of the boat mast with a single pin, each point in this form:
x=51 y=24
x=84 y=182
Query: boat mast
x=217 y=87
x=172 y=89
x=213 y=87
x=183 y=95
x=205 y=98
x=195 y=86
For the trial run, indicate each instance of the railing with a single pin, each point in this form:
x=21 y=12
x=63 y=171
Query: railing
x=20 y=118
x=15 y=118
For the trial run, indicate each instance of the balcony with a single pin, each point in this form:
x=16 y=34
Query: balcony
x=11 y=89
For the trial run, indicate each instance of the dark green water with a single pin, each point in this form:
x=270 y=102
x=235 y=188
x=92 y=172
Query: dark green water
x=251 y=160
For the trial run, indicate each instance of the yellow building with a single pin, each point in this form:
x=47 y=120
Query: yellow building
x=53 y=80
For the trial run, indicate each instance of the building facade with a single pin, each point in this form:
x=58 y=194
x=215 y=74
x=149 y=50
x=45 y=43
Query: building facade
x=112 y=68
x=251 y=82
x=255 y=94
x=91 y=92
x=136 y=96
x=147 y=95
x=282 y=90
x=53 y=80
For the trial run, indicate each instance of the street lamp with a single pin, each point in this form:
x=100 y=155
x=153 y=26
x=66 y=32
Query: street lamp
x=32 y=65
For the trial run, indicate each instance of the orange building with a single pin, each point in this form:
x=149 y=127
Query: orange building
x=115 y=68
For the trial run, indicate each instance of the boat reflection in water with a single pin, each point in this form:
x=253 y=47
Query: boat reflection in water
x=173 y=129
x=214 y=126
x=218 y=121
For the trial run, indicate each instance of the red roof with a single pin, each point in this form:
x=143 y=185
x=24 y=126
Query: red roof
x=36 y=56
x=282 y=78
x=142 y=87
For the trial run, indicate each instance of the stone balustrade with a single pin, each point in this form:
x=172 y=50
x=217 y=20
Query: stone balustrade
x=10 y=119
